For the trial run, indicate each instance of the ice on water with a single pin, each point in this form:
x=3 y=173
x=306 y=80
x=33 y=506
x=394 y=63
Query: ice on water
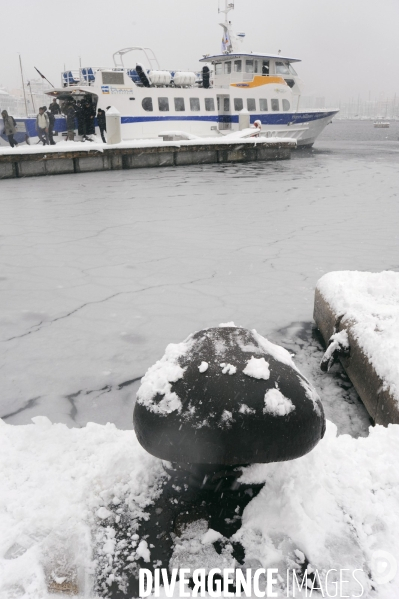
x=100 y=272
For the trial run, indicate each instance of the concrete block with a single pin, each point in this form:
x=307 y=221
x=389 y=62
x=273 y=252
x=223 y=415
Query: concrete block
x=147 y=159
x=115 y=161
x=273 y=153
x=59 y=166
x=92 y=163
x=32 y=168
x=378 y=401
x=239 y=154
x=196 y=157
x=7 y=170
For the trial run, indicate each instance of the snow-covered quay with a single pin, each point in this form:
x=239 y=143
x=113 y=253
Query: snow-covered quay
x=100 y=272
x=362 y=309
x=338 y=506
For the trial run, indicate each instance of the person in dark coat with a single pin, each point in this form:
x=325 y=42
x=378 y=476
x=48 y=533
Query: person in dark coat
x=10 y=128
x=54 y=108
x=88 y=114
x=102 y=123
x=51 y=121
x=80 y=116
x=70 y=119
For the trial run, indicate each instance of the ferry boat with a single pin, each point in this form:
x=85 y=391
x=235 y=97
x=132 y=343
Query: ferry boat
x=381 y=124
x=206 y=103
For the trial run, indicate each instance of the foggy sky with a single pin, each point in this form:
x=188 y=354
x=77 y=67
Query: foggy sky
x=348 y=47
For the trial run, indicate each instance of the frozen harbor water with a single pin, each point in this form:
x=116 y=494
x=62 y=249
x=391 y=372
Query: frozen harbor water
x=101 y=271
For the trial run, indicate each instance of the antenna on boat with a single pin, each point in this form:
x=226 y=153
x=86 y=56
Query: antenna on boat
x=229 y=39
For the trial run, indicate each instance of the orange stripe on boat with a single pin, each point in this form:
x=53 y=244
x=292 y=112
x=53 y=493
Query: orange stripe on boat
x=259 y=80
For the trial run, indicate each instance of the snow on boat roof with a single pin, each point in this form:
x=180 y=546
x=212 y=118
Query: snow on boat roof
x=251 y=54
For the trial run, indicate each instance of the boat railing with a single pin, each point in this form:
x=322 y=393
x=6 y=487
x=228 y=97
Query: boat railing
x=87 y=76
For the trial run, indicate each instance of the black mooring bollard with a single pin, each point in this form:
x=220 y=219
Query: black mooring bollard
x=225 y=397
x=222 y=399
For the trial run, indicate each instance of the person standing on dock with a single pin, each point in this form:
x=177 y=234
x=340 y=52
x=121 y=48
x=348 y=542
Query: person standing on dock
x=42 y=126
x=102 y=124
x=88 y=115
x=70 y=119
x=54 y=108
x=51 y=121
x=10 y=128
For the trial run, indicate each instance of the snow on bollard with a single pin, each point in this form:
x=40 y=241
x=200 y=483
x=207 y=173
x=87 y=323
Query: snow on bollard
x=243 y=120
x=113 y=120
x=227 y=396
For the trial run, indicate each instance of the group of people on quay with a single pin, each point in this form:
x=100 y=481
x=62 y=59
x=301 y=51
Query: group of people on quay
x=82 y=112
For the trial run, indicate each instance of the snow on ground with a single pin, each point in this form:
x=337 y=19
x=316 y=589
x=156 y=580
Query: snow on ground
x=369 y=304
x=55 y=483
x=337 y=506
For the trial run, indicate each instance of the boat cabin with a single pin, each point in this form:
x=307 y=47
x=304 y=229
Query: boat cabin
x=243 y=68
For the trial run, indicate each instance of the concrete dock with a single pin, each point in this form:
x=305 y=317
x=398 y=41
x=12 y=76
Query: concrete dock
x=365 y=306
x=70 y=158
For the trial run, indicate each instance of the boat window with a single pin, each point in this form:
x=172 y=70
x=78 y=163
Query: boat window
x=209 y=104
x=113 y=78
x=249 y=66
x=237 y=66
x=251 y=104
x=194 y=104
x=292 y=70
x=238 y=104
x=286 y=105
x=227 y=67
x=179 y=105
x=226 y=104
x=282 y=68
x=255 y=66
x=218 y=68
x=275 y=106
x=265 y=67
x=163 y=104
x=147 y=104
x=263 y=105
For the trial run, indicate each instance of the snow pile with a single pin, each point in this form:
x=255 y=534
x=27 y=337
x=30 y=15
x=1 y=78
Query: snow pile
x=277 y=404
x=369 y=304
x=158 y=378
x=276 y=351
x=203 y=367
x=244 y=409
x=257 y=368
x=338 y=345
x=228 y=368
x=337 y=507
x=56 y=487
x=227 y=417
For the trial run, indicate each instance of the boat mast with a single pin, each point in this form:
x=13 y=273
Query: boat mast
x=228 y=36
x=23 y=86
